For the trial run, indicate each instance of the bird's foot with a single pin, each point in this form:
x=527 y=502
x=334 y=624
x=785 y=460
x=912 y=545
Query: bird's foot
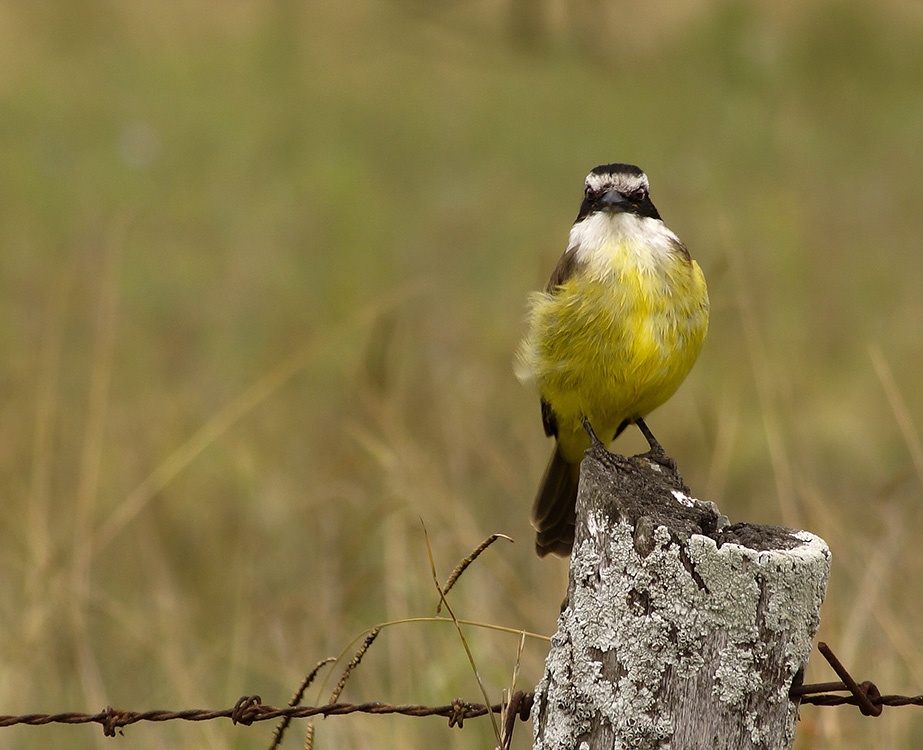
x=656 y=454
x=594 y=440
x=599 y=451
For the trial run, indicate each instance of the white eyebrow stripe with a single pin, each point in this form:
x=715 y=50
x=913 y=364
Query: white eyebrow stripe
x=621 y=181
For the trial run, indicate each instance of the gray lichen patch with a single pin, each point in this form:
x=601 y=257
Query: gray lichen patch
x=674 y=629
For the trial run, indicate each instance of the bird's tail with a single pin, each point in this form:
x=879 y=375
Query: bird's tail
x=554 y=512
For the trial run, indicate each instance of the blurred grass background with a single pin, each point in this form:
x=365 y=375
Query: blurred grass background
x=264 y=267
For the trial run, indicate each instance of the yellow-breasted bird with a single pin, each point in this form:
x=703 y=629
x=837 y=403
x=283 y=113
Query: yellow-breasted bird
x=611 y=338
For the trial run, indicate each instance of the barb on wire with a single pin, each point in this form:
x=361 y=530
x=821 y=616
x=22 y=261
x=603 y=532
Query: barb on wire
x=865 y=695
x=519 y=704
x=514 y=701
x=249 y=709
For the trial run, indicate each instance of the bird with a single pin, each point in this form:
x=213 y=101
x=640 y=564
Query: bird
x=612 y=336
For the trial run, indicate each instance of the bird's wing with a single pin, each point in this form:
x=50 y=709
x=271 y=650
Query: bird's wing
x=549 y=420
x=564 y=270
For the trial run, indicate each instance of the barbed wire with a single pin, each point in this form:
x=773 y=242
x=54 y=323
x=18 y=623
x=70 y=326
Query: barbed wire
x=894 y=701
x=250 y=709
x=865 y=695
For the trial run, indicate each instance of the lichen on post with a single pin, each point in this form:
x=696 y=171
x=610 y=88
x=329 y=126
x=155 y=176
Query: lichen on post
x=680 y=630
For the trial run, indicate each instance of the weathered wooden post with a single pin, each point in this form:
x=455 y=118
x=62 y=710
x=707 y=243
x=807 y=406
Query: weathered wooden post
x=680 y=631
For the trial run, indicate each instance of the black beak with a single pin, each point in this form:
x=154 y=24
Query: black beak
x=613 y=201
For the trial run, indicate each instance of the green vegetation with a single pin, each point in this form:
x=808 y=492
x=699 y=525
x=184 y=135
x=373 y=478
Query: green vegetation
x=263 y=269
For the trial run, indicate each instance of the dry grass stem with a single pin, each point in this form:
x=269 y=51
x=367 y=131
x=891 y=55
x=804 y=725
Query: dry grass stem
x=296 y=699
x=899 y=409
x=353 y=663
x=463 y=565
x=765 y=389
x=474 y=666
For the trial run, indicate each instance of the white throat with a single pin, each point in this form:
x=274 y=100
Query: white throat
x=602 y=239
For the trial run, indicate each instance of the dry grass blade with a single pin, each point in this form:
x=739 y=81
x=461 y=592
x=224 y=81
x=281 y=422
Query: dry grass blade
x=39 y=509
x=446 y=620
x=224 y=419
x=463 y=565
x=899 y=409
x=765 y=381
x=91 y=466
x=518 y=664
x=474 y=666
x=296 y=700
x=872 y=588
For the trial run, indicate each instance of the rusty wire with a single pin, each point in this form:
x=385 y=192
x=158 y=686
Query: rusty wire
x=250 y=709
x=865 y=695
